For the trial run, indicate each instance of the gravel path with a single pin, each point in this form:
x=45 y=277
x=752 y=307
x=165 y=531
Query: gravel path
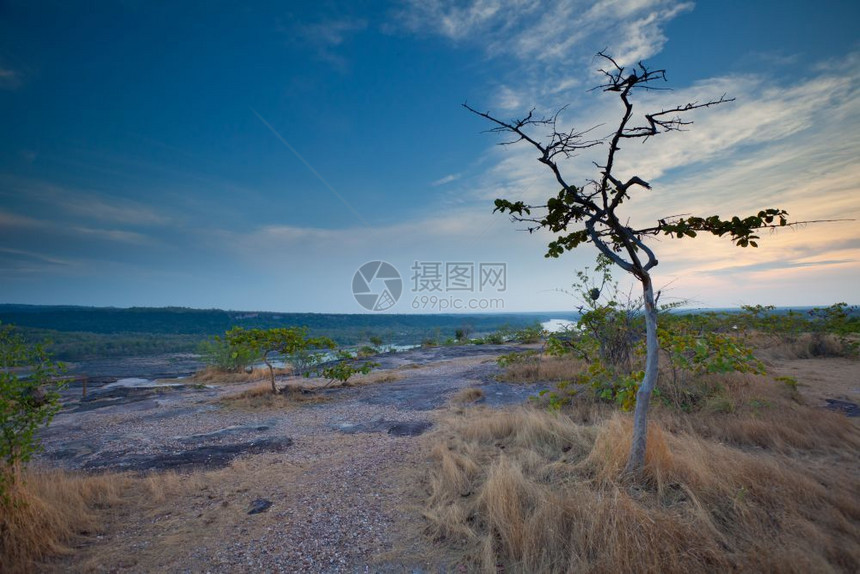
x=341 y=482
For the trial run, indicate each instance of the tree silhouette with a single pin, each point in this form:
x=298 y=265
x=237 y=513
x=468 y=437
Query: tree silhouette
x=589 y=213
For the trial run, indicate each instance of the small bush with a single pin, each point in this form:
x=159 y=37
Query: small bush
x=529 y=335
x=218 y=354
x=29 y=399
x=367 y=351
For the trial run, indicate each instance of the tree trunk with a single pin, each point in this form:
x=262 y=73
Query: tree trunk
x=636 y=462
x=271 y=373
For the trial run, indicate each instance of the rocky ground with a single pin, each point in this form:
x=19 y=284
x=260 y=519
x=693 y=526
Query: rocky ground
x=329 y=481
x=332 y=484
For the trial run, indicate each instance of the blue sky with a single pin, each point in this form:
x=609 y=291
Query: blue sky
x=205 y=154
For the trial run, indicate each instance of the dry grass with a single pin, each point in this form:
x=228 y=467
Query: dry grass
x=300 y=391
x=758 y=411
x=57 y=507
x=802 y=346
x=467 y=396
x=50 y=509
x=262 y=397
x=212 y=376
x=531 y=491
x=374 y=377
x=109 y=522
x=314 y=384
x=543 y=369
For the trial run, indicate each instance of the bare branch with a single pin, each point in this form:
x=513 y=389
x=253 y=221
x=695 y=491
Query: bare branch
x=676 y=123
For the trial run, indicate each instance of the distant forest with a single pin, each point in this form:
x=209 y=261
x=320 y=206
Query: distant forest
x=77 y=333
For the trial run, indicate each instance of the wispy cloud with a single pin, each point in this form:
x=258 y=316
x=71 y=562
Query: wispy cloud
x=117 y=235
x=445 y=180
x=774 y=136
x=9 y=219
x=327 y=37
x=779 y=265
x=544 y=38
x=332 y=32
x=24 y=261
x=10 y=79
x=82 y=204
x=115 y=211
x=787 y=145
x=13 y=225
x=507 y=98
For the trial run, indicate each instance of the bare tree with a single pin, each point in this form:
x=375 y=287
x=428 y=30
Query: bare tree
x=589 y=213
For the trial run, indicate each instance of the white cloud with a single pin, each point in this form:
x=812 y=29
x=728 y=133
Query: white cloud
x=446 y=180
x=547 y=39
x=786 y=145
x=458 y=20
x=508 y=99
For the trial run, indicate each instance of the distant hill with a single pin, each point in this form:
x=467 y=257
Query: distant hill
x=78 y=332
x=183 y=320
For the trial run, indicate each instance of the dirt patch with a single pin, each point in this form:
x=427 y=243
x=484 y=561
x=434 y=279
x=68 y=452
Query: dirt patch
x=820 y=380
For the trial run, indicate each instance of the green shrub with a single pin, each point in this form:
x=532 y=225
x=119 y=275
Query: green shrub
x=219 y=354
x=531 y=334
x=345 y=368
x=516 y=358
x=496 y=338
x=610 y=338
x=367 y=351
x=29 y=399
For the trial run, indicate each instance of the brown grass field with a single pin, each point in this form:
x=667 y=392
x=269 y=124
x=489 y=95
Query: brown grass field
x=769 y=486
x=56 y=508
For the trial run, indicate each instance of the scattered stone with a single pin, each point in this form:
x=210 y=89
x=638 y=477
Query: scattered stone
x=260 y=505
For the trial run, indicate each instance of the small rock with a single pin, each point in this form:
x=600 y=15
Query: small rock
x=409 y=428
x=260 y=505
x=848 y=408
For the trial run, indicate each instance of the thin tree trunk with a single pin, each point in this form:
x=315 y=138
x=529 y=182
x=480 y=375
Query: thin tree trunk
x=643 y=396
x=271 y=373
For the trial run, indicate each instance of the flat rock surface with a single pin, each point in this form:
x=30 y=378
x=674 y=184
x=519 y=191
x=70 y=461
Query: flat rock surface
x=330 y=473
